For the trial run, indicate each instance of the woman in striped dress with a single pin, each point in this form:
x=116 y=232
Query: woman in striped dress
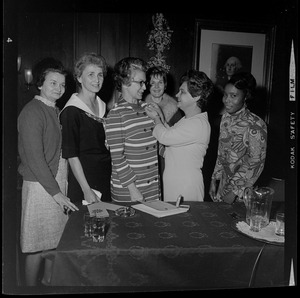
x=129 y=135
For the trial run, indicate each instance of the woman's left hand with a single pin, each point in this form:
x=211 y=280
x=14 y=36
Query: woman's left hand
x=90 y=196
x=229 y=197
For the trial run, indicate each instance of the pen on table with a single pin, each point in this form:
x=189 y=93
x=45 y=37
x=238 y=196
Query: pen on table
x=178 y=201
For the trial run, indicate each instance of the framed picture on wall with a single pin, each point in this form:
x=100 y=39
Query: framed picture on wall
x=222 y=48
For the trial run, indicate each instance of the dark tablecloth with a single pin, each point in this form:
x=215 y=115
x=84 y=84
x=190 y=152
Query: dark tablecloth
x=194 y=250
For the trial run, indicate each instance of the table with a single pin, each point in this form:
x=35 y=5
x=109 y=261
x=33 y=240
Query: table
x=198 y=249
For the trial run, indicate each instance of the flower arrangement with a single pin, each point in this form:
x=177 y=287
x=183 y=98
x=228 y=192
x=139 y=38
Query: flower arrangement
x=159 y=40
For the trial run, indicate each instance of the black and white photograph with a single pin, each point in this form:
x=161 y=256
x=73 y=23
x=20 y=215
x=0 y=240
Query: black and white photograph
x=149 y=147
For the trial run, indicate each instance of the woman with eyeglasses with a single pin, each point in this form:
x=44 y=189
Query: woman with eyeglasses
x=129 y=135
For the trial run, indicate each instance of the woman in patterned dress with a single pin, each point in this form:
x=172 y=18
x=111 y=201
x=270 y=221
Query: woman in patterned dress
x=242 y=142
x=129 y=135
x=44 y=201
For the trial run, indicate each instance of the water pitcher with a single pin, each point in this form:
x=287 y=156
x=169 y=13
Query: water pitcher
x=258 y=198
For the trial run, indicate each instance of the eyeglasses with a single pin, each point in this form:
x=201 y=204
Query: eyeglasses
x=141 y=83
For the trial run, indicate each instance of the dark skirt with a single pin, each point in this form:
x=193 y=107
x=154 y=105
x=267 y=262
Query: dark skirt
x=98 y=178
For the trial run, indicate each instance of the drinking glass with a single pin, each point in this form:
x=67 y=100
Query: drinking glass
x=279 y=225
x=100 y=225
x=88 y=224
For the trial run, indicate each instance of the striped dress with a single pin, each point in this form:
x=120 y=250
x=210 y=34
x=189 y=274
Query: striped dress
x=133 y=151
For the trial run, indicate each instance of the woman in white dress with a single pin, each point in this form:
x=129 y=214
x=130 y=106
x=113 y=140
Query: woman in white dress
x=187 y=141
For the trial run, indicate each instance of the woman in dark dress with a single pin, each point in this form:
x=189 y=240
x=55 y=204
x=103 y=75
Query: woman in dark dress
x=83 y=135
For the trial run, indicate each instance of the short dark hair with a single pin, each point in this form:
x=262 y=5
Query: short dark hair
x=198 y=84
x=156 y=71
x=244 y=81
x=124 y=68
x=43 y=67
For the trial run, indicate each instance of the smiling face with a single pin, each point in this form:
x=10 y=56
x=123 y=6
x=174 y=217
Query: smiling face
x=53 y=87
x=91 y=79
x=233 y=99
x=185 y=99
x=134 y=91
x=157 y=86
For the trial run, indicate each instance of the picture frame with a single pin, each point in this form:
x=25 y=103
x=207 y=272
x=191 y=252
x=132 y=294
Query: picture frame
x=252 y=44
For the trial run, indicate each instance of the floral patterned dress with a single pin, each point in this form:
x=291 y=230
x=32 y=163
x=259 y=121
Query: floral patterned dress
x=241 y=152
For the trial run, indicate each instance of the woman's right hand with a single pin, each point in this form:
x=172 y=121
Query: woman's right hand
x=151 y=112
x=77 y=170
x=213 y=189
x=154 y=107
x=64 y=202
x=135 y=194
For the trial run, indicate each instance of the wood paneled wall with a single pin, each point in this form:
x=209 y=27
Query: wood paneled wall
x=115 y=35
x=118 y=35
x=39 y=36
x=64 y=35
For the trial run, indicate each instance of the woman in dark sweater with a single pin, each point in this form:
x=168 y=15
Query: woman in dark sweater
x=44 y=201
